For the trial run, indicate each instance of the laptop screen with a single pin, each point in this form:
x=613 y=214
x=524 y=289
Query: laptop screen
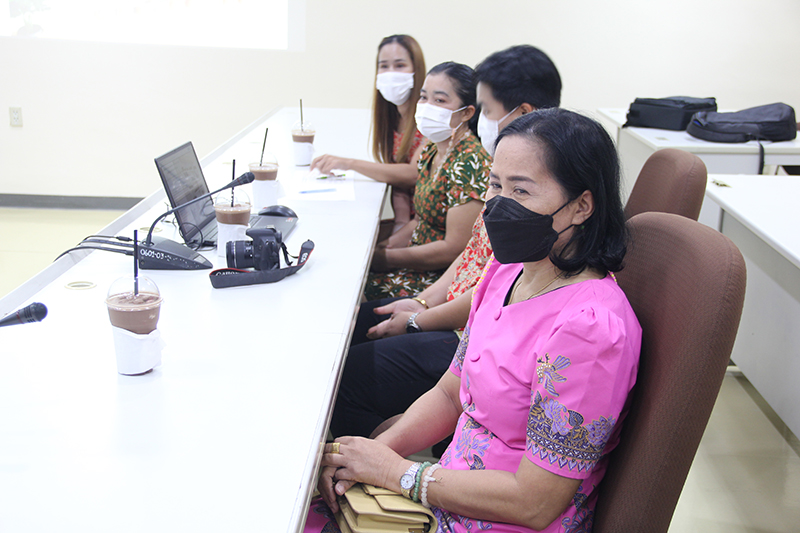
x=183 y=181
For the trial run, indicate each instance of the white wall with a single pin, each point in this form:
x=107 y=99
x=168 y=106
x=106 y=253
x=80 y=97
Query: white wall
x=95 y=115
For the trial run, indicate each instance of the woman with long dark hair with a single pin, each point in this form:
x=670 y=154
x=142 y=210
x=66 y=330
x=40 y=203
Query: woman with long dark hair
x=395 y=138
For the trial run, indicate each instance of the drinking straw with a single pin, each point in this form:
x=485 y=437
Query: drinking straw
x=301 y=115
x=136 y=262
x=233 y=178
x=261 y=161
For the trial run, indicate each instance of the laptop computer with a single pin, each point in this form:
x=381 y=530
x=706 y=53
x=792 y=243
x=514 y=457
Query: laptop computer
x=183 y=181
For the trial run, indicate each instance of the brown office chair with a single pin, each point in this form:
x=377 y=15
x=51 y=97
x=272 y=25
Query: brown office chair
x=671 y=181
x=686 y=282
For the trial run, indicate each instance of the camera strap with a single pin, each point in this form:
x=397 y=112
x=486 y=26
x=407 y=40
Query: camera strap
x=234 y=277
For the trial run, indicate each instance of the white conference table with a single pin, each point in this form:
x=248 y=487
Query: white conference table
x=226 y=434
x=760 y=216
x=635 y=145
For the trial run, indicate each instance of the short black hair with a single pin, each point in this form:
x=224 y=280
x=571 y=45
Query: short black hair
x=521 y=74
x=465 y=83
x=580 y=155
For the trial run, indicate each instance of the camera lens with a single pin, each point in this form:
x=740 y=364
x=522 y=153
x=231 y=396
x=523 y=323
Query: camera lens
x=239 y=254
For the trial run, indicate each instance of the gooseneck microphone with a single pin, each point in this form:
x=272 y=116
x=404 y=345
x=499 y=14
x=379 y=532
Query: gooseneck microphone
x=244 y=179
x=33 y=313
x=166 y=254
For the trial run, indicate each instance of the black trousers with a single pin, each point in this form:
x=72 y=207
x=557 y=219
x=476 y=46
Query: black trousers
x=382 y=378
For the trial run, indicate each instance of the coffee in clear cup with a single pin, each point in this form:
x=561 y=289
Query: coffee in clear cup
x=266 y=169
x=303 y=141
x=134 y=307
x=132 y=311
x=232 y=212
x=232 y=208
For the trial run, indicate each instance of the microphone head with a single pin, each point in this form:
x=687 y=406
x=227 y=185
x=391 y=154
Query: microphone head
x=247 y=177
x=33 y=313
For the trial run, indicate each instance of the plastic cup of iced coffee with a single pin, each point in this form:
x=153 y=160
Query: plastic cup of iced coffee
x=232 y=208
x=136 y=312
x=266 y=169
x=134 y=306
x=266 y=188
x=303 y=141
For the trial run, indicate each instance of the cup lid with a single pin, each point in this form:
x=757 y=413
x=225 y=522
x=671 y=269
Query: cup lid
x=306 y=127
x=268 y=159
x=125 y=285
x=240 y=198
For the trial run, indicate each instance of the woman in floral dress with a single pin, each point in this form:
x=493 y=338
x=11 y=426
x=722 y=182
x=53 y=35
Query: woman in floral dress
x=453 y=173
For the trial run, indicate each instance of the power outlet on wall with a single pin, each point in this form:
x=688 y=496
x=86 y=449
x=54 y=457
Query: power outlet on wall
x=15 y=116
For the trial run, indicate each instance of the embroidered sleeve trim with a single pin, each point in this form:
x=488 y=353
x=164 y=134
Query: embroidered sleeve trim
x=557 y=435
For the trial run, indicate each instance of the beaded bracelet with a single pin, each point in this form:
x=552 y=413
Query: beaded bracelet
x=415 y=493
x=428 y=479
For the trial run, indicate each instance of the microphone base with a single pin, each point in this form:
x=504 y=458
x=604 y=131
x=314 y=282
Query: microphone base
x=165 y=254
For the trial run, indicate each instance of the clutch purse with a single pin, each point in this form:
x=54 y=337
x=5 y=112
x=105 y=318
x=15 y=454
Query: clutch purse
x=368 y=509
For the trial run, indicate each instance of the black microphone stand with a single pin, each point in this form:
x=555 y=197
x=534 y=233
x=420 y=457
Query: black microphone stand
x=244 y=179
x=166 y=254
x=159 y=253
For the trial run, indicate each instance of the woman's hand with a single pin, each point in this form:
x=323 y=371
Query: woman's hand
x=402 y=237
x=398 y=306
x=326 y=163
x=395 y=325
x=359 y=460
x=326 y=484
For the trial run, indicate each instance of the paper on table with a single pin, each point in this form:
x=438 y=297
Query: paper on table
x=313 y=186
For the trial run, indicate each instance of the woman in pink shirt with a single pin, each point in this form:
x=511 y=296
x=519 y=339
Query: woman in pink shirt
x=540 y=382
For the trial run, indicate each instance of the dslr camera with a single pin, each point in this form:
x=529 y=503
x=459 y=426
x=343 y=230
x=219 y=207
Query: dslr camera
x=262 y=253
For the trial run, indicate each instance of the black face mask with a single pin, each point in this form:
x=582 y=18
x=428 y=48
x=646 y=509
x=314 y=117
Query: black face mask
x=517 y=234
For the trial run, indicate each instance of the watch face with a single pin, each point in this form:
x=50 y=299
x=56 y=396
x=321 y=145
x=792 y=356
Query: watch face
x=407 y=481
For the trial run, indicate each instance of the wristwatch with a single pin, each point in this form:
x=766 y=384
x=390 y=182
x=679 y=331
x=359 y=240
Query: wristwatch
x=408 y=480
x=411 y=324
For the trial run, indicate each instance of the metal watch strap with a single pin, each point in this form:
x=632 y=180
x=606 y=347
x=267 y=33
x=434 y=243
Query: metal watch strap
x=408 y=480
x=411 y=324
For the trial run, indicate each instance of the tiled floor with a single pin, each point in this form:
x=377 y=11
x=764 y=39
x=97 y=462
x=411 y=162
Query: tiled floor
x=745 y=477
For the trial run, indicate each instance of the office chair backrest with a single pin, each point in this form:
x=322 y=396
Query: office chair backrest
x=671 y=181
x=685 y=281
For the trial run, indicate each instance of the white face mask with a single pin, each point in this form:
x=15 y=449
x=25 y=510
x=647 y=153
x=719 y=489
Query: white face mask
x=395 y=87
x=434 y=121
x=489 y=129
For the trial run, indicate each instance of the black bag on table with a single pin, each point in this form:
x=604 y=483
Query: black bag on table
x=771 y=122
x=672 y=113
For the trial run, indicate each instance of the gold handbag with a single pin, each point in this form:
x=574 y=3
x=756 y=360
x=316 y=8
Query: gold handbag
x=368 y=509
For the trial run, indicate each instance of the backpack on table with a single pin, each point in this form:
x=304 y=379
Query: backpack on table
x=771 y=122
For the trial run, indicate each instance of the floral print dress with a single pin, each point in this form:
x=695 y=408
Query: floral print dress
x=464 y=176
